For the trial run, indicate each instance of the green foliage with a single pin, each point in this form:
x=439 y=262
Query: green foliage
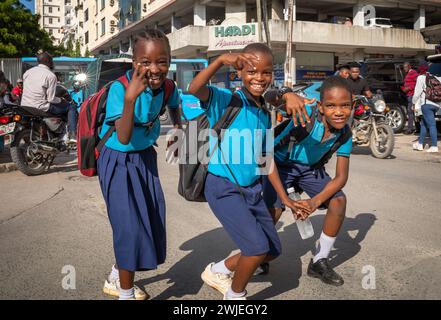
x=20 y=33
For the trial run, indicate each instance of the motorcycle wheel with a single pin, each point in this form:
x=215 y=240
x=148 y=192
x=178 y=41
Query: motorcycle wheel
x=382 y=148
x=30 y=166
x=396 y=118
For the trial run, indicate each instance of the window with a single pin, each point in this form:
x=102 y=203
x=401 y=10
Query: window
x=50 y=31
x=86 y=15
x=86 y=37
x=50 y=9
x=50 y=21
x=103 y=26
x=96 y=31
x=96 y=7
x=103 y=4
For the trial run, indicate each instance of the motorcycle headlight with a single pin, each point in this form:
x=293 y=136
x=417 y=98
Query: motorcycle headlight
x=380 y=106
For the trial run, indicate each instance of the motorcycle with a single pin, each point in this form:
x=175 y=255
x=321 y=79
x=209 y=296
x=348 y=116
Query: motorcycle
x=369 y=125
x=36 y=136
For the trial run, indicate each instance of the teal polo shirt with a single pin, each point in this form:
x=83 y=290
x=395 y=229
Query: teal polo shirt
x=243 y=142
x=147 y=106
x=310 y=150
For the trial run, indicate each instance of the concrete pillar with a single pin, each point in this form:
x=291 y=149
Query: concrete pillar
x=359 y=54
x=358 y=15
x=420 y=18
x=236 y=11
x=199 y=14
x=285 y=11
x=277 y=10
x=174 y=23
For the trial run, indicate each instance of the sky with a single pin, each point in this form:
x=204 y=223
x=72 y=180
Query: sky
x=28 y=4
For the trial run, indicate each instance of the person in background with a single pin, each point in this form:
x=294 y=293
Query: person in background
x=428 y=108
x=409 y=88
x=358 y=84
x=39 y=91
x=343 y=71
x=17 y=91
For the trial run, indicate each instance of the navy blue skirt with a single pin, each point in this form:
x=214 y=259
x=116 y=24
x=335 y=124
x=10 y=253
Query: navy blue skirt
x=136 y=207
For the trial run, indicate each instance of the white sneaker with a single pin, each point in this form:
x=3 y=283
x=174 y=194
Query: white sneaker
x=432 y=150
x=228 y=297
x=112 y=289
x=418 y=146
x=216 y=280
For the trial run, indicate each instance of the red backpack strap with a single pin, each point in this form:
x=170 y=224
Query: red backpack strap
x=124 y=81
x=169 y=87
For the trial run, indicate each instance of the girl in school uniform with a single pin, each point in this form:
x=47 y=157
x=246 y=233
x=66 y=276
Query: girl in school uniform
x=127 y=166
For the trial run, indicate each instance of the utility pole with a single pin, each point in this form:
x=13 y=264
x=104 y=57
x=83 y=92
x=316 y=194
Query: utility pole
x=259 y=18
x=288 y=60
x=265 y=22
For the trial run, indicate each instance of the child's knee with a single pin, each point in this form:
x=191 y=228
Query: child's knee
x=338 y=205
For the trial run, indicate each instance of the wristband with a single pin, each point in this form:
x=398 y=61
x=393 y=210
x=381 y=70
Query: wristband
x=282 y=91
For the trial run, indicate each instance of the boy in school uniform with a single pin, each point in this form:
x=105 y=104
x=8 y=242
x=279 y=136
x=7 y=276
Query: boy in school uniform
x=297 y=166
x=233 y=188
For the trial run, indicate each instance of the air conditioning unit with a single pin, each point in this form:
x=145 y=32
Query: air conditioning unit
x=112 y=22
x=112 y=29
x=112 y=3
x=144 y=7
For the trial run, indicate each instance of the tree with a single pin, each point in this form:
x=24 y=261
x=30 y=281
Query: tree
x=21 y=34
x=77 y=48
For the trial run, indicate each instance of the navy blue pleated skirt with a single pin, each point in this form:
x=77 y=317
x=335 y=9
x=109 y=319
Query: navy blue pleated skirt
x=136 y=207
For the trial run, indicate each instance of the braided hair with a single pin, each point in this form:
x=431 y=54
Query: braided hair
x=153 y=35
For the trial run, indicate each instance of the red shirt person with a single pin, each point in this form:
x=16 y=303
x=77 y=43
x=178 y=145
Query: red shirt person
x=17 y=91
x=409 y=89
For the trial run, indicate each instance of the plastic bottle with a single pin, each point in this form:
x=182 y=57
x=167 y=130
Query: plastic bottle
x=305 y=227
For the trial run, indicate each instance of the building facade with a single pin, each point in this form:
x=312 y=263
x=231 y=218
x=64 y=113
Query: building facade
x=52 y=13
x=325 y=32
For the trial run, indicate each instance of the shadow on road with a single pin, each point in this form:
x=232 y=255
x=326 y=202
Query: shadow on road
x=285 y=272
x=366 y=151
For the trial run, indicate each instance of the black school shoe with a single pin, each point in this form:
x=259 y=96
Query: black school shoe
x=322 y=270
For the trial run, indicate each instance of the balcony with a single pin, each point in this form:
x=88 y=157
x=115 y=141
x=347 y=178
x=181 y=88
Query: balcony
x=184 y=41
x=318 y=35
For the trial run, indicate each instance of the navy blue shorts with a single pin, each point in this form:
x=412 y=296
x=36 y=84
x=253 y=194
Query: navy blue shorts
x=301 y=177
x=245 y=218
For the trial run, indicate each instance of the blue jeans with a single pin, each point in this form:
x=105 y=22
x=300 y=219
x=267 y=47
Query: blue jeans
x=429 y=123
x=63 y=108
x=410 y=114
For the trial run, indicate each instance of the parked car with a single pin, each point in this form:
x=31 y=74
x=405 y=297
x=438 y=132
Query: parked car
x=379 y=23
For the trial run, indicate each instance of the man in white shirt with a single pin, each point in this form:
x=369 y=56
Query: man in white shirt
x=39 y=87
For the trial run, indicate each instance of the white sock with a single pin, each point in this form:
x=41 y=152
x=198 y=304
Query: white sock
x=220 y=267
x=324 y=247
x=114 y=275
x=232 y=294
x=127 y=294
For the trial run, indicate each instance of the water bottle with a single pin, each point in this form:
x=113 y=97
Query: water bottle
x=305 y=227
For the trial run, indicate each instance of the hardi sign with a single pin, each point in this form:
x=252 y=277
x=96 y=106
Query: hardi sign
x=232 y=37
x=235 y=31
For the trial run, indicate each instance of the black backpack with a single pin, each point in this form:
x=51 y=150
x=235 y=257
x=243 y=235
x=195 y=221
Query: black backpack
x=192 y=176
x=299 y=133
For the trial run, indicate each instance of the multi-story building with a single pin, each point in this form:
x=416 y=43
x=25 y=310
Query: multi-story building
x=325 y=32
x=91 y=22
x=98 y=21
x=52 y=15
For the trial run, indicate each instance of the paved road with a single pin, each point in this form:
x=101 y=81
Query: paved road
x=391 y=229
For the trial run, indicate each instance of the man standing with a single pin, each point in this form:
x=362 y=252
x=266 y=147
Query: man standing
x=39 y=87
x=343 y=71
x=409 y=89
x=357 y=83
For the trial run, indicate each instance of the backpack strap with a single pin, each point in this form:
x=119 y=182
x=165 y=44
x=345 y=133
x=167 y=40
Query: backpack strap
x=168 y=87
x=296 y=134
x=342 y=139
x=125 y=82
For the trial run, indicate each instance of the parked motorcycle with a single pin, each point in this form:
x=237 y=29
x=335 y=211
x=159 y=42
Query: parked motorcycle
x=36 y=136
x=369 y=126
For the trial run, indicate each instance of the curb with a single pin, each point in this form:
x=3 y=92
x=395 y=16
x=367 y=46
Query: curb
x=7 y=167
